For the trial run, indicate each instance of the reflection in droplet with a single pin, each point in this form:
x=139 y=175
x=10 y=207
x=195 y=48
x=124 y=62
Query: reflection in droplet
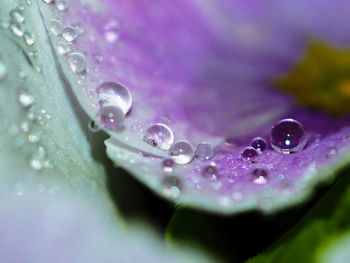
x=250 y=154
x=113 y=93
x=69 y=33
x=111 y=118
x=204 y=151
x=258 y=143
x=182 y=152
x=159 y=135
x=288 y=136
x=77 y=62
x=55 y=27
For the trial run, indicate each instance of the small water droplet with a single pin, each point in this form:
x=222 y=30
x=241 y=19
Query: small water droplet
x=48 y=1
x=93 y=126
x=258 y=143
x=250 y=154
x=37 y=160
x=260 y=176
x=64 y=48
x=34 y=137
x=204 y=151
x=111 y=31
x=69 y=33
x=29 y=2
x=112 y=93
x=172 y=186
x=77 y=62
x=111 y=117
x=288 y=136
x=17 y=29
x=159 y=135
x=168 y=165
x=55 y=27
x=25 y=99
x=17 y=16
x=3 y=70
x=182 y=152
x=61 y=5
x=29 y=39
x=332 y=151
x=210 y=172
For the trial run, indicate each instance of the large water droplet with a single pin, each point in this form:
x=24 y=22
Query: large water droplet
x=111 y=117
x=258 y=143
x=288 y=136
x=168 y=165
x=260 y=176
x=17 y=29
x=111 y=31
x=250 y=154
x=172 y=186
x=55 y=27
x=77 y=62
x=115 y=94
x=69 y=33
x=3 y=70
x=17 y=16
x=159 y=135
x=182 y=152
x=204 y=151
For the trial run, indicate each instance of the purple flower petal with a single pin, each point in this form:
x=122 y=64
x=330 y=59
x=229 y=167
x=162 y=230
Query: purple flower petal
x=204 y=68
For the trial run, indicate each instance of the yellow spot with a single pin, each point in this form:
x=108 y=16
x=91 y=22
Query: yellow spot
x=321 y=80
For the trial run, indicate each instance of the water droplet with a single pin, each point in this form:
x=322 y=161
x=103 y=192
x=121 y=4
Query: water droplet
x=3 y=70
x=288 y=136
x=77 y=62
x=332 y=151
x=210 y=172
x=55 y=27
x=17 y=29
x=250 y=154
x=260 y=176
x=112 y=93
x=29 y=39
x=34 y=137
x=69 y=33
x=25 y=99
x=182 y=152
x=204 y=151
x=168 y=165
x=64 y=48
x=159 y=135
x=93 y=126
x=111 y=31
x=17 y=16
x=37 y=160
x=171 y=186
x=258 y=143
x=48 y=1
x=61 y=5
x=111 y=117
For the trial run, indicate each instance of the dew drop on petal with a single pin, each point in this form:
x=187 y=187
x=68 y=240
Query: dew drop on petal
x=204 y=151
x=115 y=94
x=25 y=99
x=258 y=143
x=61 y=5
x=260 y=176
x=17 y=16
x=168 y=165
x=171 y=186
x=249 y=154
x=210 y=172
x=111 y=33
x=159 y=135
x=17 y=29
x=110 y=117
x=182 y=152
x=29 y=39
x=69 y=33
x=93 y=127
x=64 y=48
x=55 y=27
x=288 y=136
x=3 y=70
x=77 y=62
